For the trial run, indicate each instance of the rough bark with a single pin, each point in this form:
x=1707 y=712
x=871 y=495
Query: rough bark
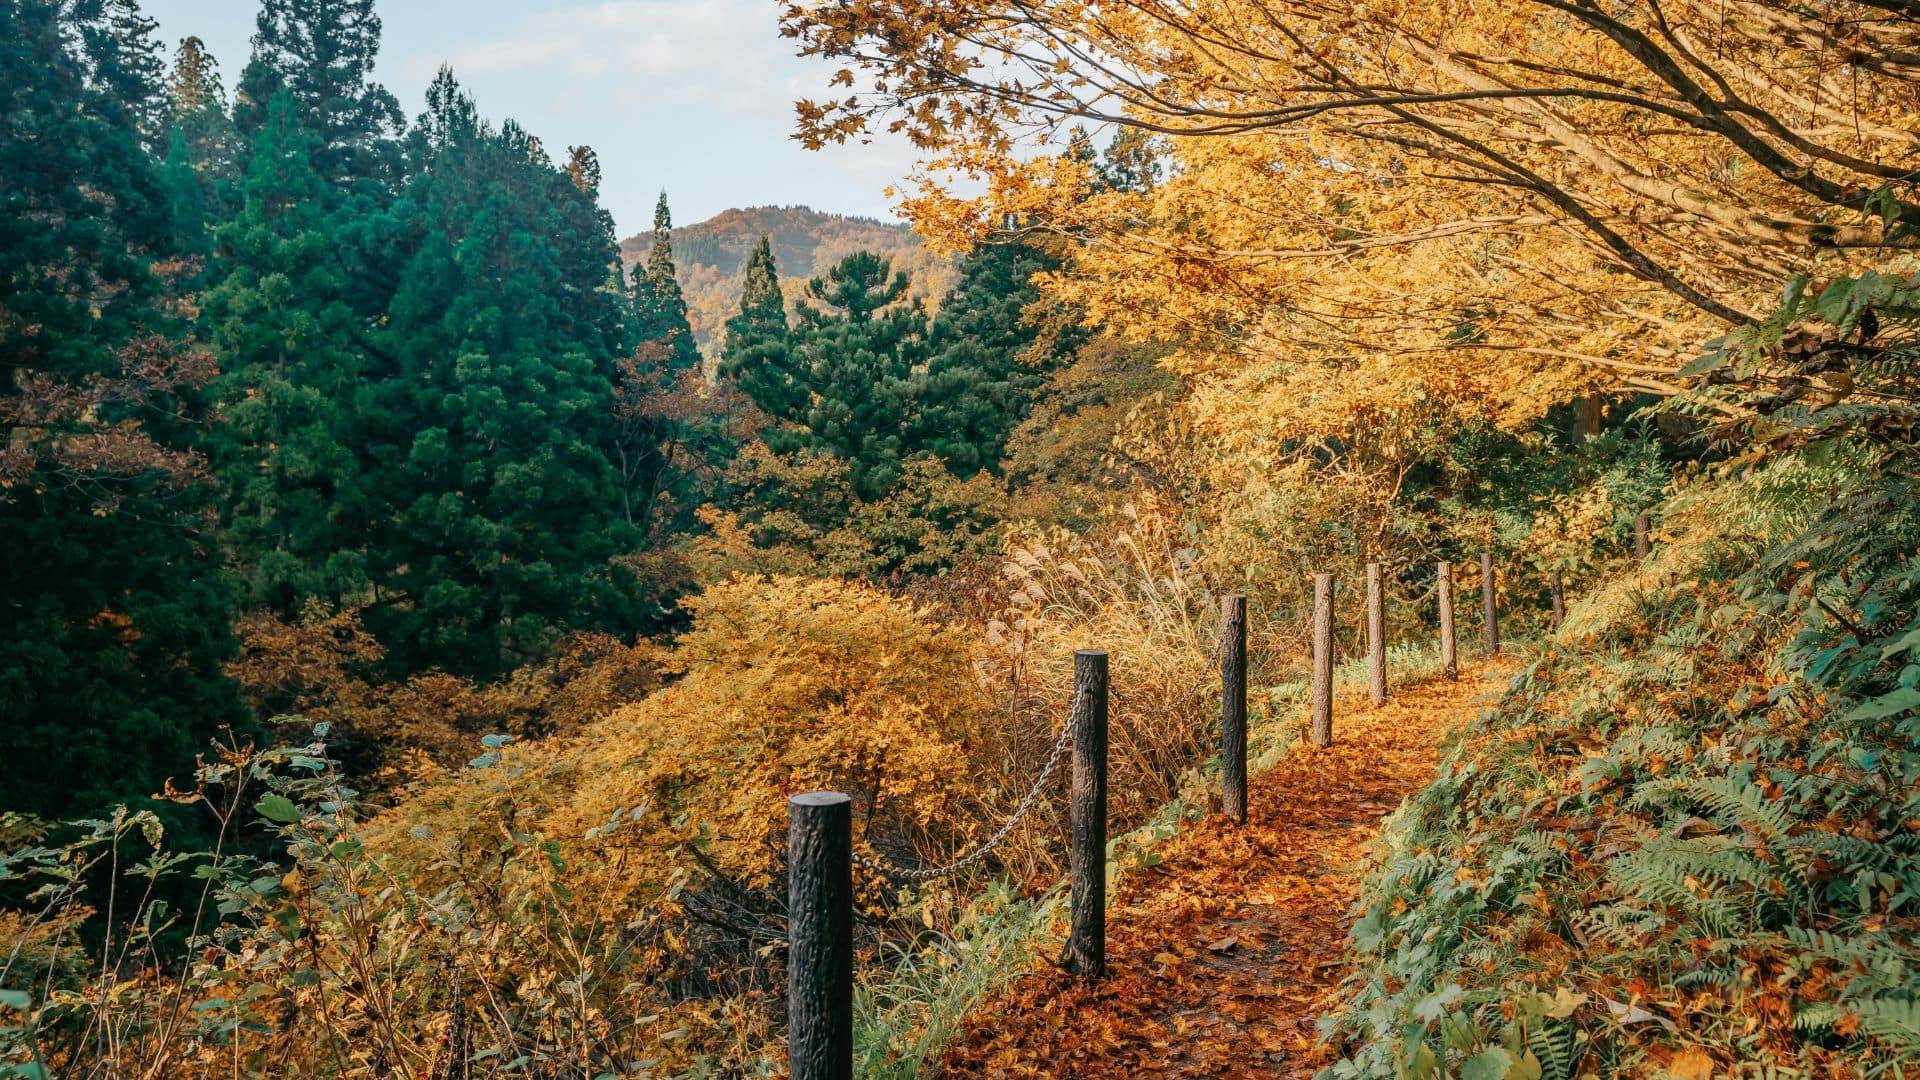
x=1489 y=605
x=1376 y=637
x=1449 y=648
x=1087 y=939
x=1233 y=707
x=820 y=936
x=1321 y=731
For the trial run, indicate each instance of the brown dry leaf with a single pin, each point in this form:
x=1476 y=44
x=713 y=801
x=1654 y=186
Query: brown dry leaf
x=1267 y=902
x=1692 y=1063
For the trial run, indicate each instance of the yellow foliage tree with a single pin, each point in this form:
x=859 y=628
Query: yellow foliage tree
x=1387 y=219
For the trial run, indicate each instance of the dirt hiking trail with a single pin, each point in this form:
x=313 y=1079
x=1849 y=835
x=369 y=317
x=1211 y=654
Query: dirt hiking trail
x=1220 y=958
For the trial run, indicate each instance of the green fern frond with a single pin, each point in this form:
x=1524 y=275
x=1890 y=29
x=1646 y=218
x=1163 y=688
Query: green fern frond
x=1730 y=800
x=1552 y=1043
x=1893 y=1018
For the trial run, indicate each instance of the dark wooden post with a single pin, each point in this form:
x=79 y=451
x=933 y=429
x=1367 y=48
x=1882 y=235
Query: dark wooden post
x=1321 y=731
x=1449 y=650
x=1376 y=637
x=1489 y=609
x=820 y=936
x=1642 y=538
x=1233 y=707
x=1559 y=599
x=1087 y=939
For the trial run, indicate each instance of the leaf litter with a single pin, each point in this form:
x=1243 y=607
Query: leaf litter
x=1220 y=958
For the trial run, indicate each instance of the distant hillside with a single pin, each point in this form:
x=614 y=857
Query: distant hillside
x=712 y=255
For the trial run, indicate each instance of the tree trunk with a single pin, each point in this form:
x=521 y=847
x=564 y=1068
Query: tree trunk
x=1449 y=650
x=1490 y=612
x=1376 y=636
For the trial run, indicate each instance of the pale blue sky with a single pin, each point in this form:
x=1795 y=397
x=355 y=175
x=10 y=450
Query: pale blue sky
x=693 y=96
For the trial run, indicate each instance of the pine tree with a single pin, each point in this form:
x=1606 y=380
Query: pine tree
x=763 y=310
x=857 y=287
x=989 y=358
x=117 y=615
x=840 y=377
x=197 y=107
x=504 y=512
x=126 y=64
x=583 y=168
x=297 y=508
x=194 y=84
x=659 y=309
x=321 y=53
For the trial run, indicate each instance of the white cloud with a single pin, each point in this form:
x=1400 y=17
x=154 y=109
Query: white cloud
x=717 y=53
x=627 y=67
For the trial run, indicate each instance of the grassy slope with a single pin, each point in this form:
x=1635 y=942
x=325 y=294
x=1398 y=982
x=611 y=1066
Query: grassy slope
x=1686 y=838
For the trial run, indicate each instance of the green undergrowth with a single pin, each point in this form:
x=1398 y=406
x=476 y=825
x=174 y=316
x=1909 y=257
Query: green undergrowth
x=1687 y=841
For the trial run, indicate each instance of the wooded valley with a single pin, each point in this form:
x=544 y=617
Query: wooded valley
x=421 y=605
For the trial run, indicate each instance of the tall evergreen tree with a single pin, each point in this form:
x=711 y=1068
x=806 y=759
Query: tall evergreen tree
x=990 y=355
x=660 y=311
x=126 y=64
x=502 y=512
x=321 y=53
x=116 y=626
x=197 y=112
x=297 y=385
x=763 y=310
x=841 y=376
x=194 y=83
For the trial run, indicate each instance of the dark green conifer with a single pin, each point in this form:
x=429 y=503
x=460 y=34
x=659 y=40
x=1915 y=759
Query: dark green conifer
x=659 y=309
x=502 y=513
x=126 y=64
x=321 y=54
x=763 y=310
x=840 y=377
x=991 y=349
x=116 y=613
x=296 y=381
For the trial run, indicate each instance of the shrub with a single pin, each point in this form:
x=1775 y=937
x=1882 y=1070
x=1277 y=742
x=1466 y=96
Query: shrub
x=1685 y=838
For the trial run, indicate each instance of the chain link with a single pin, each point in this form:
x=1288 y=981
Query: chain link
x=1060 y=744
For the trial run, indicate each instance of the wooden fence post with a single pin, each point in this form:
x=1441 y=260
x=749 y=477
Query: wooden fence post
x=1642 y=538
x=1087 y=939
x=1449 y=650
x=1376 y=636
x=1490 y=611
x=1559 y=599
x=820 y=936
x=1233 y=707
x=1321 y=730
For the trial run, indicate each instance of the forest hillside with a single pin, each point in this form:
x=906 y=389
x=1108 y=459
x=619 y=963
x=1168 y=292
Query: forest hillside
x=711 y=255
x=1403 y=512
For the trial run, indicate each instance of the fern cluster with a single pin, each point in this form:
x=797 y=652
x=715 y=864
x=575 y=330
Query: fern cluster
x=1687 y=836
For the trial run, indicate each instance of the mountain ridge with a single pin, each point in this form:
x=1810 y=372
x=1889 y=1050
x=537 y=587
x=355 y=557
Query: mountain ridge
x=710 y=256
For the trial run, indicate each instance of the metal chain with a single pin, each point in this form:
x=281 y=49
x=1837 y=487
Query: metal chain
x=1060 y=744
x=1033 y=795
